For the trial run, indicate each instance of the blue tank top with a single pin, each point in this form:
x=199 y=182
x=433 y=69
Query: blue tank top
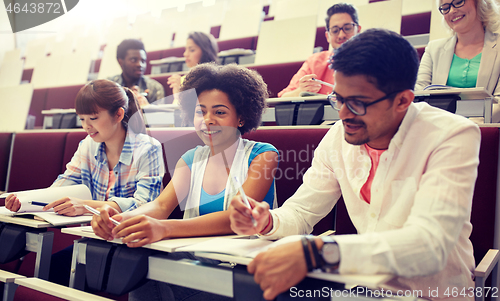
x=214 y=203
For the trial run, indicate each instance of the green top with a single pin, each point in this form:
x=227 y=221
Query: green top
x=463 y=72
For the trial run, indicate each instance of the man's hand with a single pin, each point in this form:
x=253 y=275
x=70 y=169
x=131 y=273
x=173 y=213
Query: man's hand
x=306 y=84
x=279 y=268
x=241 y=222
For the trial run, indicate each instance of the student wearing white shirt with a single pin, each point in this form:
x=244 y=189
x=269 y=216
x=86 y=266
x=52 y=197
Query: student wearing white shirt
x=405 y=170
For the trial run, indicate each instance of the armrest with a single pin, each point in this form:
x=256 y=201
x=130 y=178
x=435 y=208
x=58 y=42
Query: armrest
x=57 y=290
x=487 y=263
x=9 y=277
x=327 y=233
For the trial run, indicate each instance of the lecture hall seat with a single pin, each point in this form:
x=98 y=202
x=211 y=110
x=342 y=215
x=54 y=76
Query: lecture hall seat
x=36 y=160
x=277 y=76
x=37 y=105
x=72 y=141
x=295 y=159
x=5 y=143
x=41 y=290
x=62 y=97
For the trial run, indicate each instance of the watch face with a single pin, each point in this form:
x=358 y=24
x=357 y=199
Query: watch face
x=331 y=254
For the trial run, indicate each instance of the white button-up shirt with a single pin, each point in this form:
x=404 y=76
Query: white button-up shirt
x=417 y=225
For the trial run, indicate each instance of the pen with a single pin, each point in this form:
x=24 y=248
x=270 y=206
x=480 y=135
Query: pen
x=322 y=82
x=244 y=197
x=34 y=203
x=97 y=213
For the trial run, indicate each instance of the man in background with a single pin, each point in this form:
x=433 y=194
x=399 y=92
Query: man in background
x=341 y=25
x=131 y=56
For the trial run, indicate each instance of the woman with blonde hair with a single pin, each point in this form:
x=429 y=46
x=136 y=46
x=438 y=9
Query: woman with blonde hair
x=470 y=57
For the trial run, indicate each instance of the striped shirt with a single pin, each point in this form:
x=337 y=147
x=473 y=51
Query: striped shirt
x=139 y=172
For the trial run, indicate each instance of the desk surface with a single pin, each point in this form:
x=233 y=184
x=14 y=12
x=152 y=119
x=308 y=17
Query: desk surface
x=180 y=244
x=55 y=219
x=478 y=93
x=166 y=245
x=298 y=99
x=29 y=222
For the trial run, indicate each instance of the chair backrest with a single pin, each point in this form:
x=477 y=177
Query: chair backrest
x=72 y=141
x=36 y=160
x=15 y=103
x=38 y=101
x=484 y=202
x=38 y=289
x=277 y=76
x=275 y=45
x=411 y=7
x=241 y=22
x=5 y=144
x=370 y=15
x=11 y=73
x=289 y=9
x=295 y=159
x=62 y=97
x=416 y=24
x=109 y=65
x=46 y=72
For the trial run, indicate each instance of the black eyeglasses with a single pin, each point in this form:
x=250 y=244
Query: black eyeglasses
x=445 y=8
x=357 y=107
x=347 y=29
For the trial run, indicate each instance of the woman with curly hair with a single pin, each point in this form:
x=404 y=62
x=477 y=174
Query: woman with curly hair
x=223 y=102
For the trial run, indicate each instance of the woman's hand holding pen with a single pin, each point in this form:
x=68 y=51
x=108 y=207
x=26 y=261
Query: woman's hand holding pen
x=102 y=225
x=307 y=84
x=141 y=230
x=241 y=222
x=12 y=203
x=67 y=206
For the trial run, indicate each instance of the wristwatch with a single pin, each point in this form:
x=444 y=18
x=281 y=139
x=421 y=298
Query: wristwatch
x=330 y=254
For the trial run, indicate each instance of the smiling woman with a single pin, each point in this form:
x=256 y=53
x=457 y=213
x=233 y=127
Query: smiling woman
x=223 y=102
x=122 y=167
x=469 y=58
x=200 y=48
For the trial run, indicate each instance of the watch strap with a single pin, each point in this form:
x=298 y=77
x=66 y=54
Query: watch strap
x=317 y=257
x=307 y=254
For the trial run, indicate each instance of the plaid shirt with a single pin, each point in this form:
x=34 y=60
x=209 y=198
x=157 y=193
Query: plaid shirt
x=139 y=172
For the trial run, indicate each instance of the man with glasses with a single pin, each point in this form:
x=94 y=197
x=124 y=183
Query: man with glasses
x=341 y=24
x=405 y=170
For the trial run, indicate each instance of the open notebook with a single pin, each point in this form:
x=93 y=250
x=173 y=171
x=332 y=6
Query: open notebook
x=32 y=202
